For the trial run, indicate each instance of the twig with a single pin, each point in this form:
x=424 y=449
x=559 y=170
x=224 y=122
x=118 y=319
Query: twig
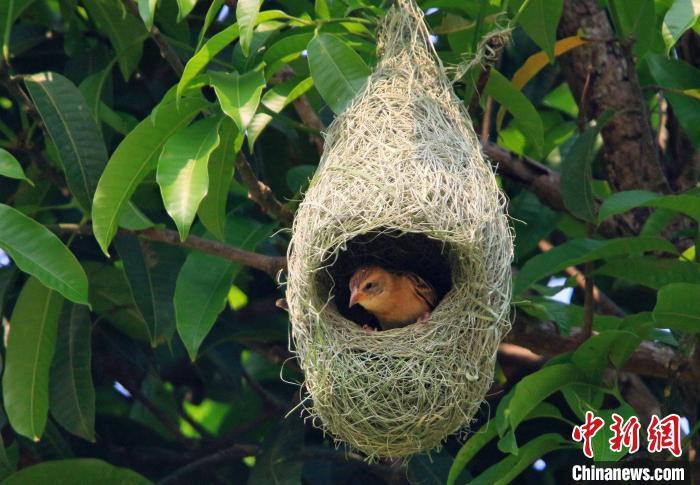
x=486 y=120
x=232 y=452
x=166 y=50
x=260 y=193
x=269 y=264
x=267 y=397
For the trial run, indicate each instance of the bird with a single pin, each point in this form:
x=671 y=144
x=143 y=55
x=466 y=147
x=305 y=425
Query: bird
x=395 y=298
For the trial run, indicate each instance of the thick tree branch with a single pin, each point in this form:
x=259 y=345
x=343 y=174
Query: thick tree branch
x=261 y=194
x=629 y=148
x=269 y=264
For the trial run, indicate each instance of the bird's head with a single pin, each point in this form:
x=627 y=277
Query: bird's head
x=367 y=285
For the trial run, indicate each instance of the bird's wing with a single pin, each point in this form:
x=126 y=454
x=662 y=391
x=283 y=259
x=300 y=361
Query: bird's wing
x=423 y=290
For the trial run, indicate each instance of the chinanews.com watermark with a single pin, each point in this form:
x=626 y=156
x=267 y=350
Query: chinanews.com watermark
x=663 y=435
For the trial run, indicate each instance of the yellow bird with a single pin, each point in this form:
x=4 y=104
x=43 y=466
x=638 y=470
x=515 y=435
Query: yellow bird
x=396 y=299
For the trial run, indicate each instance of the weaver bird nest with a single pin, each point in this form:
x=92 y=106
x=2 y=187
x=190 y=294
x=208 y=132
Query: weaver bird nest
x=402 y=169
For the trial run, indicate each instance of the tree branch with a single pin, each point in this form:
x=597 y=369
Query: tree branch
x=269 y=264
x=261 y=194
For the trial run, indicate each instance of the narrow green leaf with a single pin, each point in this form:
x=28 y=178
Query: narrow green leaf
x=203 y=56
x=40 y=253
x=184 y=8
x=510 y=467
x=621 y=202
x=503 y=91
x=239 y=95
x=576 y=177
x=593 y=355
x=76 y=472
x=147 y=11
x=677 y=78
x=531 y=391
x=339 y=73
x=68 y=120
x=212 y=210
x=209 y=18
x=10 y=10
x=637 y=20
x=578 y=251
x=275 y=100
x=246 y=13
x=678 y=307
x=110 y=296
x=121 y=29
x=600 y=442
x=204 y=282
x=651 y=271
x=486 y=433
x=299 y=177
x=133 y=159
x=133 y=219
x=682 y=15
x=183 y=171
x=71 y=392
x=284 y=51
x=30 y=348
x=539 y=19
x=150 y=273
x=11 y=168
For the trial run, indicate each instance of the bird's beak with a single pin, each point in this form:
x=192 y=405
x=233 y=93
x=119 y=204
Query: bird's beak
x=354 y=298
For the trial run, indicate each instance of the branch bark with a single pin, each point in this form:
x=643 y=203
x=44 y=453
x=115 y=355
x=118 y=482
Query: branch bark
x=269 y=264
x=261 y=194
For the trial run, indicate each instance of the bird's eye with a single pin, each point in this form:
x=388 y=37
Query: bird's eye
x=369 y=286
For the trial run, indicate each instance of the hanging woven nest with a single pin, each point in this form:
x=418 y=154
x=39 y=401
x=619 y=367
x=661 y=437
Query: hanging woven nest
x=402 y=183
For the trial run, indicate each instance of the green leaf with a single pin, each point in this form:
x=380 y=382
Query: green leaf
x=503 y=91
x=76 y=471
x=71 y=393
x=10 y=10
x=278 y=463
x=682 y=15
x=579 y=251
x=204 y=282
x=212 y=210
x=678 y=307
x=486 y=433
x=299 y=177
x=40 y=253
x=183 y=171
x=339 y=73
x=510 y=467
x=678 y=79
x=539 y=19
x=30 y=348
x=239 y=95
x=275 y=100
x=68 y=120
x=121 y=29
x=133 y=159
x=621 y=202
x=246 y=14
x=285 y=50
x=600 y=442
x=11 y=168
x=150 y=275
x=531 y=391
x=203 y=56
x=147 y=11
x=133 y=219
x=576 y=177
x=593 y=355
x=184 y=8
x=652 y=271
x=637 y=20
x=211 y=15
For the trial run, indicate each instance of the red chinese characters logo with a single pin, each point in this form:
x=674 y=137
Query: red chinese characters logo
x=625 y=433
x=665 y=434
x=587 y=431
x=662 y=434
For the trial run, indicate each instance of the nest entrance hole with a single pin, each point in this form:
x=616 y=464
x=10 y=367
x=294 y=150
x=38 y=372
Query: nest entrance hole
x=390 y=249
